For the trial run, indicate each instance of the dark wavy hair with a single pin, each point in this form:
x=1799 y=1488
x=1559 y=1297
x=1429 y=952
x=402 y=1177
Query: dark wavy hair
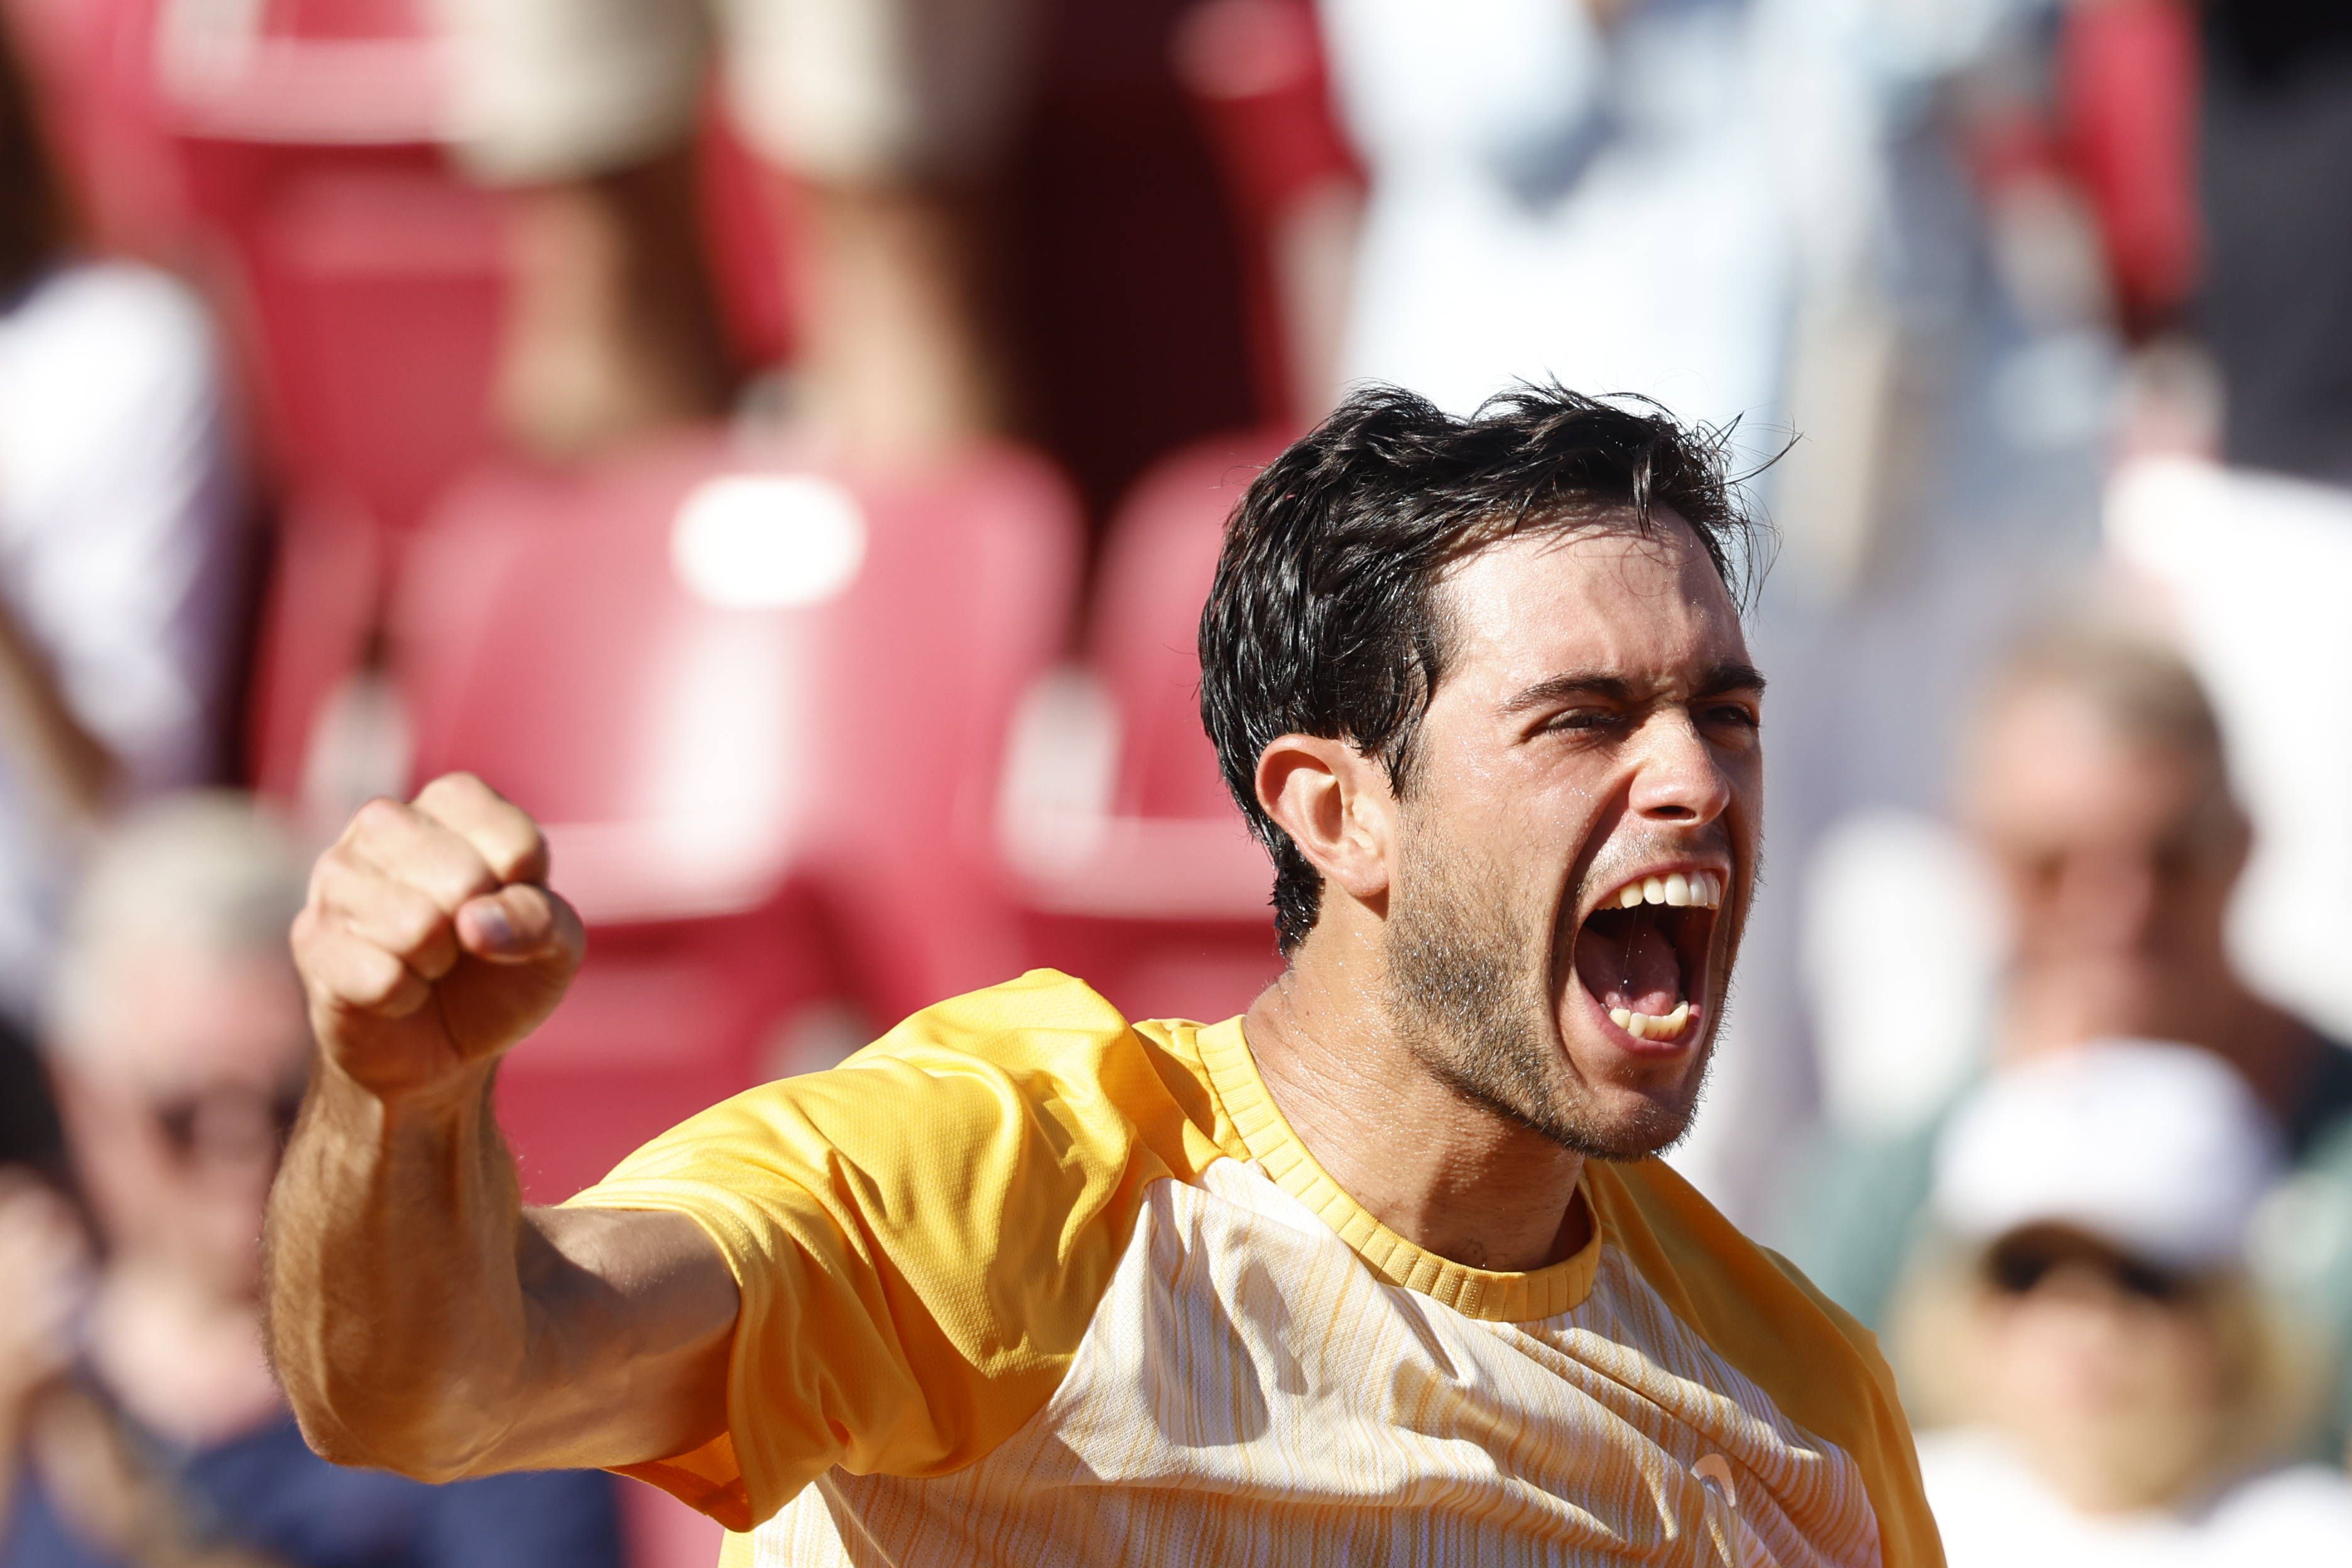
x=35 y=222
x=1323 y=619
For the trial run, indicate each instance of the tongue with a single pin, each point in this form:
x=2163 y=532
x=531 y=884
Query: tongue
x=1626 y=961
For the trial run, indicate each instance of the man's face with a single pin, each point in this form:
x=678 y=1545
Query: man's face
x=2112 y=1377
x=1592 y=749
x=2118 y=858
x=178 y=1105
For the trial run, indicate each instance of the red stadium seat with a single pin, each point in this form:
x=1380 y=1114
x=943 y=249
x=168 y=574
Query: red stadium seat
x=1256 y=74
x=760 y=710
x=2129 y=80
x=366 y=276
x=1135 y=868
x=363 y=280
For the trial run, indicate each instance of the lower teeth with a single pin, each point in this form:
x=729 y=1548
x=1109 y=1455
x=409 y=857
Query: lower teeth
x=1652 y=1026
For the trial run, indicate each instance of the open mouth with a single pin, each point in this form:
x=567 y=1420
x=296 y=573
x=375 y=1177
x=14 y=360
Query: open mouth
x=1643 y=953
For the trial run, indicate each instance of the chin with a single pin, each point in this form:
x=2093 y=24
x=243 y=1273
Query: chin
x=1616 y=1115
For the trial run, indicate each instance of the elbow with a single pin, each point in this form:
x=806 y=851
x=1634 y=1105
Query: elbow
x=431 y=1453
x=435 y=1440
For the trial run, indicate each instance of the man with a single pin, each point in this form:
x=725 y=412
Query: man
x=1379 y=1271
x=139 y=1423
x=2124 y=1387
x=2096 y=789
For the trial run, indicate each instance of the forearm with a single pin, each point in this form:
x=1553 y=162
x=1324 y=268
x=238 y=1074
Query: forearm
x=71 y=770
x=421 y=1319
x=398 y=1317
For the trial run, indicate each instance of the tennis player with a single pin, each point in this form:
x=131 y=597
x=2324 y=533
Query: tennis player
x=1383 y=1271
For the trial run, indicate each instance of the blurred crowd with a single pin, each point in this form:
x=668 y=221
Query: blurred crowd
x=783 y=445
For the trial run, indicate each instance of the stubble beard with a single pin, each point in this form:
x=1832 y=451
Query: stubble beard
x=1468 y=986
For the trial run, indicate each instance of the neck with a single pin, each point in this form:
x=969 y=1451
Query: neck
x=1452 y=1177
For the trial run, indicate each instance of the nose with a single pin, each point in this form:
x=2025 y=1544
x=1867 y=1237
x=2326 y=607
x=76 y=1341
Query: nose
x=1676 y=777
x=2111 y=898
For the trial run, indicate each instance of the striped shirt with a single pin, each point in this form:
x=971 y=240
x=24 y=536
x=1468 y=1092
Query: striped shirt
x=1025 y=1284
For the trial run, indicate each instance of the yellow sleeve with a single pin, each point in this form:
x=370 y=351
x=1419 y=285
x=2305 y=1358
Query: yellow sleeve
x=1761 y=1314
x=919 y=1236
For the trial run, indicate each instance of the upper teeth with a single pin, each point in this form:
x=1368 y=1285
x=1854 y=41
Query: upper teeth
x=1704 y=889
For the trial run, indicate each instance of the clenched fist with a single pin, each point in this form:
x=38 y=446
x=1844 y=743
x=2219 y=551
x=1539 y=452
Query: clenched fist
x=430 y=943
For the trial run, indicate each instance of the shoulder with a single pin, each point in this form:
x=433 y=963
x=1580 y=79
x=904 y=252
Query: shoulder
x=117 y=314
x=1758 y=1311
x=1715 y=1277
x=2299 y=1506
x=919 y=1236
x=98 y=361
x=1043 y=1055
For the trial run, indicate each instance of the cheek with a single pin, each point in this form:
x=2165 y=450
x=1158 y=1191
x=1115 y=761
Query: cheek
x=1513 y=832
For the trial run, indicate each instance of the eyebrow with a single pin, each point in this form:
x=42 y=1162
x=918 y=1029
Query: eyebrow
x=1719 y=679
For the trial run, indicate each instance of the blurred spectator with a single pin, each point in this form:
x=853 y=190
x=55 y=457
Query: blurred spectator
x=142 y=1423
x=2276 y=131
x=1631 y=195
x=119 y=571
x=887 y=115
x=2126 y=1389
x=1581 y=189
x=30 y=1139
x=2096 y=789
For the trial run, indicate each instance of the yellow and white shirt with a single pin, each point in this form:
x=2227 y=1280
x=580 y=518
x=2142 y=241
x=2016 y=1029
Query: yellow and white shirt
x=1025 y=1284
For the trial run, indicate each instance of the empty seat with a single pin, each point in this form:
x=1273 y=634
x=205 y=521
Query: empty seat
x=1258 y=79
x=760 y=710
x=1134 y=867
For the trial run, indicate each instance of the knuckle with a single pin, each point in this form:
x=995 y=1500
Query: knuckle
x=333 y=869
x=452 y=878
x=513 y=844
x=378 y=817
x=458 y=785
x=408 y=922
x=375 y=978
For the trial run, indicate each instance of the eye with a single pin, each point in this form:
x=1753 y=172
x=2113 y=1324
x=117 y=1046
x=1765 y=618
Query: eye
x=1738 y=715
x=1584 y=719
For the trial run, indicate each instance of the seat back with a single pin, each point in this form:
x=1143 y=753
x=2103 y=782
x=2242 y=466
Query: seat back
x=365 y=274
x=757 y=708
x=1146 y=881
x=1143 y=635
x=1260 y=84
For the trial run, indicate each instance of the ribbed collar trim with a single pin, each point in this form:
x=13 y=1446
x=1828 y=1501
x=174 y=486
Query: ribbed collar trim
x=1268 y=1140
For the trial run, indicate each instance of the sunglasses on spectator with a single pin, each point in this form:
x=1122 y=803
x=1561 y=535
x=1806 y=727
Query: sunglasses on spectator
x=2022 y=1265
x=228 y=1119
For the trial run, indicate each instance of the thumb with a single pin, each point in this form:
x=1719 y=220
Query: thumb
x=520 y=924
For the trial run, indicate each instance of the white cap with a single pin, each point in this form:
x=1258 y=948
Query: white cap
x=2159 y=1150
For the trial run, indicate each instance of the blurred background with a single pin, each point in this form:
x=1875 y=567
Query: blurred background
x=783 y=444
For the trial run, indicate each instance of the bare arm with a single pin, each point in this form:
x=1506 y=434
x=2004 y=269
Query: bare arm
x=70 y=768
x=422 y=1319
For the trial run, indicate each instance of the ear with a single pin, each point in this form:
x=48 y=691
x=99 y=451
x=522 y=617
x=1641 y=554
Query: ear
x=1337 y=807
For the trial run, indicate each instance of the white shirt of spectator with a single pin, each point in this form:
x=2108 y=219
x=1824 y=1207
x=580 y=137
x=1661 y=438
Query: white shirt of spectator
x=1995 y=1513
x=117 y=556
